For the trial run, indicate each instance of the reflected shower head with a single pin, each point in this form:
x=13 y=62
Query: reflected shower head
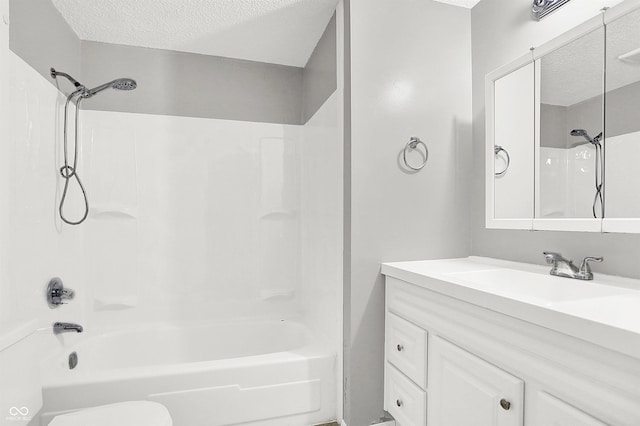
x=584 y=134
x=118 y=84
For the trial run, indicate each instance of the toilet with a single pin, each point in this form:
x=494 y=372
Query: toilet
x=131 y=413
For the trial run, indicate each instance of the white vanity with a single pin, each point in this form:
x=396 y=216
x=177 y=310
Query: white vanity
x=482 y=342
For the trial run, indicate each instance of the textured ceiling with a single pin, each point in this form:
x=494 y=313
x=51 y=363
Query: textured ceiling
x=276 y=31
x=574 y=73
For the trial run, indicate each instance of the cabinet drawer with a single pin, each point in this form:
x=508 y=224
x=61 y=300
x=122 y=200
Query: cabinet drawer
x=406 y=402
x=406 y=346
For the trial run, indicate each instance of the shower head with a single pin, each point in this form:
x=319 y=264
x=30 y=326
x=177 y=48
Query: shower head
x=118 y=84
x=584 y=134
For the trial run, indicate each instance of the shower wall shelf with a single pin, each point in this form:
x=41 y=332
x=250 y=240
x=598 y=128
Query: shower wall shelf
x=102 y=213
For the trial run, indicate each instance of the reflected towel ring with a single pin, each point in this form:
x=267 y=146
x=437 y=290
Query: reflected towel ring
x=496 y=150
x=413 y=144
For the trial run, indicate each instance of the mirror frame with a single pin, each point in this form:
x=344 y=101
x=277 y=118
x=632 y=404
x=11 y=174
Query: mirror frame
x=619 y=225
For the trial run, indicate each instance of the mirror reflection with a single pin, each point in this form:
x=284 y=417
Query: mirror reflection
x=622 y=143
x=571 y=160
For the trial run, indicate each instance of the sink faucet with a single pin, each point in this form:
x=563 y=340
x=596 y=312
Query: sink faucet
x=565 y=268
x=64 y=327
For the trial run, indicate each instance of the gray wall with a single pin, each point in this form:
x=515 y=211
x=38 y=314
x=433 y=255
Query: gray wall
x=553 y=126
x=319 y=79
x=42 y=38
x=174 y=83
x=410 y=76
x=623 y=116
x=502 y=30
x=187 y=84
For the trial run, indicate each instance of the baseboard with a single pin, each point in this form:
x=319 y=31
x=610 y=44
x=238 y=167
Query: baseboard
x=387 y=423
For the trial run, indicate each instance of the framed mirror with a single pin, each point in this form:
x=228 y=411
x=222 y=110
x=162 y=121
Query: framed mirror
x=622 y=125
x=509 y=161
x=563 y=131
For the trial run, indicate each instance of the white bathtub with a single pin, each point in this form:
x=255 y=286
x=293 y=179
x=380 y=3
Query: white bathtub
x=264 y=373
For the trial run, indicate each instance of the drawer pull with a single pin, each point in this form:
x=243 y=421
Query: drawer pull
x=506 y=405
x=398 y=403
x=399 y=347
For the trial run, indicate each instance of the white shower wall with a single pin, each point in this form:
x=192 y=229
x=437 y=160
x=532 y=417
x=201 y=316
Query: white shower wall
x=567 y=179
x=567 y=182
x=196 y=218
x=191 y=218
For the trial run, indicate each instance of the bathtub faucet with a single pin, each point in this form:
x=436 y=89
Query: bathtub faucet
x=65 y=327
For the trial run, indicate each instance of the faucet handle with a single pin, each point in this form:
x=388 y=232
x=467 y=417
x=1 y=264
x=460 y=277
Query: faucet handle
x=584 y=266
x=552 y=257
x=585 y=270
x=57 y=294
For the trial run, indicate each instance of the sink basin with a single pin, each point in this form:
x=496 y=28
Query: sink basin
x=618 y=311
x=531 y=287
x=605 y=311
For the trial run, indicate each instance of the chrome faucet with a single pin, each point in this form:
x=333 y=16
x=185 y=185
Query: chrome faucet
x=65 y=327
x=565 y=268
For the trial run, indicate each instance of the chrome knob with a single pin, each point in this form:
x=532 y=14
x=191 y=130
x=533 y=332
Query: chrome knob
x=399 y=347
x=506 y=405
x=57 y=294
x=398 y=403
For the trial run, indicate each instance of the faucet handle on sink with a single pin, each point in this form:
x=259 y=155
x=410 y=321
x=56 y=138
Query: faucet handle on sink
x=585 y=269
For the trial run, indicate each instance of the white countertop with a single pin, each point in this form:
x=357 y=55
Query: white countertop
x=605 y=311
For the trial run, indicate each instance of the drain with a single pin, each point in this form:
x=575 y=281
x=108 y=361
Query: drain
x=73 y=360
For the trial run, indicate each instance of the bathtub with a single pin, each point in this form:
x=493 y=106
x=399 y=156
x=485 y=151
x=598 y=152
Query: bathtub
x=258 y=373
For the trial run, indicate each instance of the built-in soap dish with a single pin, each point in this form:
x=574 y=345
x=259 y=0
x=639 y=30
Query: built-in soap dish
x=277 y=294
x=115 y=303
x=117 y=213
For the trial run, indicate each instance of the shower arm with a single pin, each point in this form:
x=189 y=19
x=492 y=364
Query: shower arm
x=76 y=83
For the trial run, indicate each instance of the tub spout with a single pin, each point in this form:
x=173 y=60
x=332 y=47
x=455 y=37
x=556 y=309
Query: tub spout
x=65 y=327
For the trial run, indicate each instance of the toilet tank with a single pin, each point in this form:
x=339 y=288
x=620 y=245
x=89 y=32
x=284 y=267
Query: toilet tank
x=20 y=381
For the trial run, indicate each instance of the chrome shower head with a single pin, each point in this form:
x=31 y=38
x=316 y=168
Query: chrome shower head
x=118 y=84
x=584 y=134
x=124 y=84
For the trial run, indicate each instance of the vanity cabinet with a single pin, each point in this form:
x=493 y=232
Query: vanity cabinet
x=466 y=390
x=449 y=362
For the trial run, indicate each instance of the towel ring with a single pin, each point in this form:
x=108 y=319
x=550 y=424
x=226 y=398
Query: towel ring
x=496 y=150
x=413 y=144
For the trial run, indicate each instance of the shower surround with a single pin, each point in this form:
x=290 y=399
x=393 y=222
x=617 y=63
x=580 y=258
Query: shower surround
x=195 y=223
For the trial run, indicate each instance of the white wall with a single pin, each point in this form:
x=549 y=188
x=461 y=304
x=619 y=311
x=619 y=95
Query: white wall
x=321 y=221
x=622 y=174
x=191 y=218
x=34 y=247
x=502 y=30
x=567 y=182
x=410 y=74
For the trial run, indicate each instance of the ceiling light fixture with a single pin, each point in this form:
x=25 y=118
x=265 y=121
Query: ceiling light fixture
x=542 y=8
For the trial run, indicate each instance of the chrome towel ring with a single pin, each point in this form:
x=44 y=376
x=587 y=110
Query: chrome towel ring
x=411 y=145
x=496 y=150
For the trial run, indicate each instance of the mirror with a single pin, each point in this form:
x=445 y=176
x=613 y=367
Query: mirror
x=563 y=131
x=622 y=126
x=513 y=139
x=570 y=158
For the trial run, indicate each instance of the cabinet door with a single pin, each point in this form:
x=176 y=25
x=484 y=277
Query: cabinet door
x=550 y=411
x=466 y=390
x=406 y=348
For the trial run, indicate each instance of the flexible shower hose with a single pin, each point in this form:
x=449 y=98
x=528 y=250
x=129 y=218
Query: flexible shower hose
x=68 y=172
